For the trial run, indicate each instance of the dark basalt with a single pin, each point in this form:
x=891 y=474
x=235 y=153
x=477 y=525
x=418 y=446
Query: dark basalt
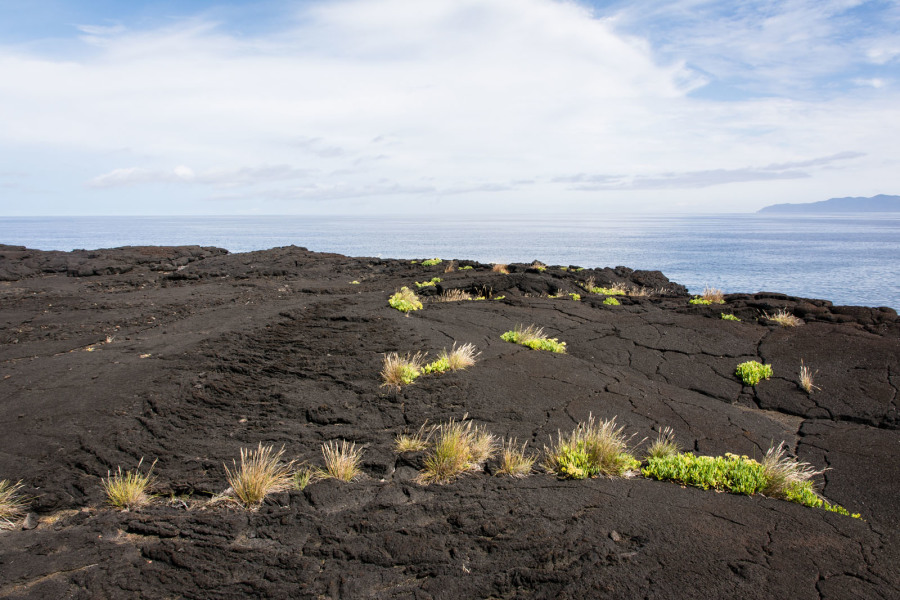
x=186 y=355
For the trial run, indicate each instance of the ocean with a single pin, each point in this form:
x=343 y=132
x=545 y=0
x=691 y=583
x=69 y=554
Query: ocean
x=848 y=259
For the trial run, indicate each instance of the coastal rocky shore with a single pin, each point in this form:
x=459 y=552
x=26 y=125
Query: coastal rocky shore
x=188 y=355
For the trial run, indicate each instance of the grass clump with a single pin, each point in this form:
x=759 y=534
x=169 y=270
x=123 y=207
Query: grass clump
x=405 y=300
x=752 y=372
x=714 y=295
x=431 y=262
x=342 y=461
x=459 y=447
x=728 y=317
x=806 y=379
x=784 y=318
x=457 y=359
x=454 y=296
x=303 y=477
x=401 y=370
x=500 y=268
x=534 y=338
x=12 y=504
x=664 y=445
x=430 y=283
x=128 y=490
x=415 y=442
x=261 y=473
x=593 y=448
x=513 y=460
x=611 y=302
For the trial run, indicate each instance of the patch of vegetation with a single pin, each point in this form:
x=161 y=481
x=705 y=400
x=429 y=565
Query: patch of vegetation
x=459 y=447
x=697 y=300
x=534 y=338
x=714 y=295
x=466 y=268
x=260 y=473
x=342 y=461
x=456 y=360
x=593 y=448
x=664 y=445
x=416 y=442
x=500 y=268
x=752 y=372
x=806 y=379
x=611 y=302
x=431 y=283
x=784 y=318
x=405 y=300
x=572 y=295
x=777 y=476
x=303 y=477
x=354 y=282
x=497 y=298
x=431 y=262
x=727 y=317
x=128 y=490
x=451 y=266
x=12 y=504
x=399 y=370
x=513 y=460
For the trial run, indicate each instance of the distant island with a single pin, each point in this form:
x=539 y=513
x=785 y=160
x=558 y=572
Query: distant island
x=879 y=203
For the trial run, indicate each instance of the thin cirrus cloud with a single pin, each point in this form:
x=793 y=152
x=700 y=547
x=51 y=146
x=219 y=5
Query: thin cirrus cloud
x=495 y=103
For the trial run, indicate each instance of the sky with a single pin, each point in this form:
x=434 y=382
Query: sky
x=207 y=107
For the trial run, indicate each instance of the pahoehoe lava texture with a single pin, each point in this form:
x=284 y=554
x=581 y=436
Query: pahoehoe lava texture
x=187 y=355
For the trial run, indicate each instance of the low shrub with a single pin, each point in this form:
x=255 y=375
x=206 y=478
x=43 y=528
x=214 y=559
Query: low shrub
x=342 y=461
x=752 y=372
x=459 y=447
x=405 y=300
x=431 y=283
x=260 y=473
x=611 y=302
x=784 y=318
x=513 y=461
x=593 y=448
x=534 y=338
x=12 y=504
x=128 y=490
x=727 y=317
x=431 y=262
x=399 y=370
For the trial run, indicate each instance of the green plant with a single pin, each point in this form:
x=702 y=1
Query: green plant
x=415 y=442
x=466 y=268
x=431 y=283
x=727 y=317
x=261 y=473
x=458 y=447
x=399 y=370
x=455 y=360
x=303 y=477
x=341 y=461
x=354 y=282
x=697 y=300
x=431 y=262
x=617 y=289
x=752 y=372
x=806 y=379
x=784 y=318
x=593 y=448
x=611 y=302
x=664 y=445
x=12 y=504
x=405 y=300
x=128 y=491
x=534 y=338
x=513 y=461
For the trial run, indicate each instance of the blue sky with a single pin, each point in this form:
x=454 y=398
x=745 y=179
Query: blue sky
x=481 y=106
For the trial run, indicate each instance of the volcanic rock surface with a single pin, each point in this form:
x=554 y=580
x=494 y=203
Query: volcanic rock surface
x=187 y=355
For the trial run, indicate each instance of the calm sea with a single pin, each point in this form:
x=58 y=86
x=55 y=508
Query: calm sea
x=851 y=259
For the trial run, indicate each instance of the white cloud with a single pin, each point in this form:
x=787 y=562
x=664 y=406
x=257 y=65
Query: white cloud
x=388 y=98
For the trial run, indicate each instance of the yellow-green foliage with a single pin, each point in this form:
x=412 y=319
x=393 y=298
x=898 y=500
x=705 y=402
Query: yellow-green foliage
x=342 y=461
x=534 y=338
x=405 y=300
x=727 y=317
x=441 y=365
x=431 y=262
x=354 y=282
x=458 y=448
x=128 y=491
x=466 y=268
x=752 y=372
x=615 y=290
x=399 y=370
x=431 y=283
x=700 y=301
x=591 y=449
x=260 y=473
x=513 y=461
x=611 y=302
x=12 y=505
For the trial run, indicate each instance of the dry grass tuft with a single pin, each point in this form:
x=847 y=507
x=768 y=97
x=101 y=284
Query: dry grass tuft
x=784 y=473
x=664 y=445
x=458 y=448
x=513 y=461
x=462 y=357
x=592 y=449
x=12 y=505
x=784 y=318
x=416 y=442
x=714 y=295
x=128 y=490
x=401 y=370
x=806 y=378
x=261 y=473
x=454 y=296
x=342 y=461
x=500 y=268
x=451 y=266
